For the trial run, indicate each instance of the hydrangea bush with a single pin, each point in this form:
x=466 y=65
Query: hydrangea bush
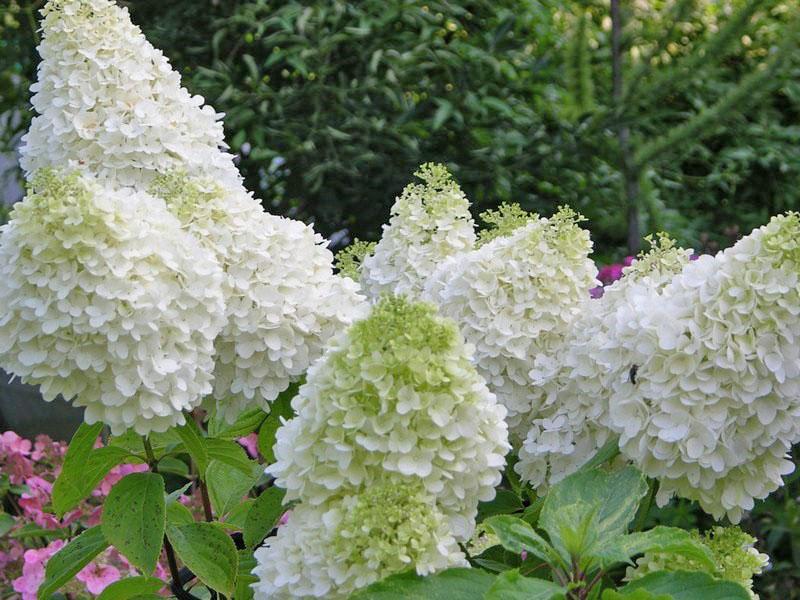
x=447 y=413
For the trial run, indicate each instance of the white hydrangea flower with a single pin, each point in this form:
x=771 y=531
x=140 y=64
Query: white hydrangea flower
x=283 y=301
x=514 y=299
x=395 y=398
x=105 y=300
x=570 y=426
x=430 y=221
x=110 y=103
x=331 y=550
x=716 y=403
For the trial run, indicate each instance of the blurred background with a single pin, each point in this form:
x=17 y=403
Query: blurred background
x=644 y=115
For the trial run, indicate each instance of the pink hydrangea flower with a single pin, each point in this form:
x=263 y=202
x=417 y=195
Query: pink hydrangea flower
x=33 y=569
x=114 y=475
x=11 y=443
x=250 y=443
x=97 y=577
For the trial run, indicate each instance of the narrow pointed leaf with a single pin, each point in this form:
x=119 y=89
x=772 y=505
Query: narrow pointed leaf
x=263 y=516
x=66 y=563
x=510 y=585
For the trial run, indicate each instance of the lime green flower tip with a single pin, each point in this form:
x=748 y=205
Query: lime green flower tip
x=349 y=260
x=503 y=221
x=186 y=196
x=664 y=257
x=782 y=237
x=398 y=325
x=440 y=192
x=390 y=523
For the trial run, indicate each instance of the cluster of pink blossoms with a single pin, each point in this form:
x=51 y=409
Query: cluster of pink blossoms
x=27 y=472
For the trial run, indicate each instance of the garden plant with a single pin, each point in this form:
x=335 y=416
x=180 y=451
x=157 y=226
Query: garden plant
x=452 y=412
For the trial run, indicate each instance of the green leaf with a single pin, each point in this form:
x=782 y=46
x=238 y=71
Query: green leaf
x=504 y=503
x=247 y=423
x=131 y=587
x=209 y=552
x=443 y=113
x=281 y=407
x=133 y=518
x=84 y=468
x=591 y=507
x=685 y=585
x=659 y=539
x=263 y=516
x=195 y=444
x=66 y=563
x=227 y=486
x=231 y=454
x=247 y=563
x=463 y=584
x=516 y=535
x=604 y=455
x=237 y=516
x=174 y=466
x=31 y=530
x=178 y=514
x=510 y=585
x=6 y=523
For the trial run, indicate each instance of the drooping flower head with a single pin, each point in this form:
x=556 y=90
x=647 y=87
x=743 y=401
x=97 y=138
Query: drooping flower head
x=570 y=426
x=330 y=550
x=514 y=299
x=430 y=222
x=283 y=301
x=715 y=406
x=395 y=399
x=111 y=104
x=104 y=299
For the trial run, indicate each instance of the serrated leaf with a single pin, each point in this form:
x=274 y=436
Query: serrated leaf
x=464 y=584
x=510 y=585
x=686 y=585
x=231 y=454
x=660 y=539
x=195 y=444
x=247 y=423
x=247 y=563
x=591 y=508
x=131 y=587
x=178 y=514
x=280 y=409
x=72 y=484
x=263 y=516
x=66 y=563
x=227 y=486
x=209 y=552
x=237 y=516
x=134 y=517
x=517 y=536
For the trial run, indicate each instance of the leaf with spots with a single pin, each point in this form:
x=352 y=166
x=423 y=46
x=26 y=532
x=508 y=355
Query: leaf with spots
x=209 y=552
x=134 y=518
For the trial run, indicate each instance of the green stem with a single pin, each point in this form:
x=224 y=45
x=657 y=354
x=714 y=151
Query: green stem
x=644 y=507
x=148 y=452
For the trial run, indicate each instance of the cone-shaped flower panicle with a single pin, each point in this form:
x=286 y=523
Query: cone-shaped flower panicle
x=110 y=103
x=570 y=425
x=333 y=549
x=395 y=398
x=104 y=299
x=716 y=403
x=283 y=301
x=514 y=299
x=430 y=221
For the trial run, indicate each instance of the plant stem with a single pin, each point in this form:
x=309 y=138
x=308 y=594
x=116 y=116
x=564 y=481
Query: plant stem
x=148 y=452
x=644 y=507
x=206 y=501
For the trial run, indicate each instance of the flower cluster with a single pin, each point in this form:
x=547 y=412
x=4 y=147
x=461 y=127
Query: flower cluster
x=713 y=411
x=430 y=222
x=514 y=299
x=282 y=299
x=137 y=313
x=393 y=410
x=735 y=557
x=330 y=550
x=106 y=300
x=571 y=424
x=109 y=103
x=34 y=532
